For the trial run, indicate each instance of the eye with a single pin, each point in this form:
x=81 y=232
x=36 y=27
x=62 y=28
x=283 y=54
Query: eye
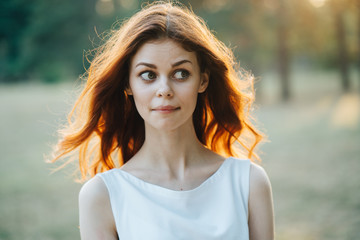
x=148 y=75
x=181 y=74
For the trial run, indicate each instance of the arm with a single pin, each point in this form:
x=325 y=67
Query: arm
x=261 y=216
x=96 y=218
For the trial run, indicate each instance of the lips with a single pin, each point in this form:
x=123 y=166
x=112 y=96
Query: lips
x=167 y=108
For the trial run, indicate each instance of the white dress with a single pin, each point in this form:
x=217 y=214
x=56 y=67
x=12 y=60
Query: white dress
x=217 y=209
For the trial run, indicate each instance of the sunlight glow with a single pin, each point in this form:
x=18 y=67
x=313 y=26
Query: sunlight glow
x=129 y=4
x=104 y=7
x=346 y=113
x=317 y=3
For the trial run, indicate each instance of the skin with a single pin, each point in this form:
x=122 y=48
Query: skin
x=165 y=81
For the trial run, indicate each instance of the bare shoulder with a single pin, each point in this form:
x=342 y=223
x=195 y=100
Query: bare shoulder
x=259 y=180
x=95 y=214
x=93 y=191
x=261 y=213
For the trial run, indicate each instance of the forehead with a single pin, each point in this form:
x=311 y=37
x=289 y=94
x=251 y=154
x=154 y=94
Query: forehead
x=164 y=51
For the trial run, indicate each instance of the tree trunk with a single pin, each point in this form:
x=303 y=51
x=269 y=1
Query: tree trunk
x=358 y=15
x=342 y=50
x=283 y=52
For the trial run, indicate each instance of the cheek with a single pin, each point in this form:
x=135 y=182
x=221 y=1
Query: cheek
x=141 y=105
x=139 y=91
x=140 y=96
x=189 y=98
x=141 y=99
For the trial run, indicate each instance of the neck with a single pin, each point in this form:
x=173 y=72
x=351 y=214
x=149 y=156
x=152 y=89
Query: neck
x=173 y=151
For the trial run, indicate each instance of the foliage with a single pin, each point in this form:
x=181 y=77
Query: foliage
x=46 y=40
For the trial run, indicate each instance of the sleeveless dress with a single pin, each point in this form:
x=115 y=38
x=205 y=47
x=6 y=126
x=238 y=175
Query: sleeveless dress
x=217 y=209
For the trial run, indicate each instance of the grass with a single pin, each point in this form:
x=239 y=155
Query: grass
x=313 y=161
x=34 y=203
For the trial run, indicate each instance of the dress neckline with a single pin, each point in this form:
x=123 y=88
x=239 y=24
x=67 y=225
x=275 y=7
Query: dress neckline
x=171 y=192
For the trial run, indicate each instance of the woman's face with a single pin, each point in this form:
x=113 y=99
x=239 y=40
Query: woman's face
x=165 y=80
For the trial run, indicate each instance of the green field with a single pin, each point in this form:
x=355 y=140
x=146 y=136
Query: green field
x=313 y=160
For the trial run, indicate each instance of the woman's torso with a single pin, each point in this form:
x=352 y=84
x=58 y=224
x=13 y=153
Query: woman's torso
x=217 y=209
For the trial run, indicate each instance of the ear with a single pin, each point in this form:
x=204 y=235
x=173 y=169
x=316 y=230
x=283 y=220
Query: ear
x=128 y=91
x=204 y=82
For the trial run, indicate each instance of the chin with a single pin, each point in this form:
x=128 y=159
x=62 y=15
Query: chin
x=171 y=126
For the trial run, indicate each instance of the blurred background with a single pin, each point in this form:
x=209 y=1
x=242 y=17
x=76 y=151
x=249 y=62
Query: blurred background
x=305 y=55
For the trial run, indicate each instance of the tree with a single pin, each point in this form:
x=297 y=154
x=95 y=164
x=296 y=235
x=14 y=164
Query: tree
x=338 y=8
x=13 y=22
x=283 y=50
x=357 y=4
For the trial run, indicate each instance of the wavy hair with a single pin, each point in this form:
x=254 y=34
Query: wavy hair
x=105 y=130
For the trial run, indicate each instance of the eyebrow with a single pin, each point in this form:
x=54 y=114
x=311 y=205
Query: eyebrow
x=146 y=64
x=181 y=62
x=154 y=67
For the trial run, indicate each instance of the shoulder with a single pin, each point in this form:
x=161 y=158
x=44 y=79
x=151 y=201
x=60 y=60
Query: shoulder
x=261 y=216
x=93 y=191
x=95 y=213
x=259 y=180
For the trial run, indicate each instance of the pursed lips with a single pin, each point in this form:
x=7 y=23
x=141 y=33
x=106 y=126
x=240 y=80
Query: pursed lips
x=165 y=109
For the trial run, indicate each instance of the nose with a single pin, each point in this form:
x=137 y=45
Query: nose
x=164 y=89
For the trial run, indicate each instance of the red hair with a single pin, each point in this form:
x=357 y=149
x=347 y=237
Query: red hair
x=104 y=128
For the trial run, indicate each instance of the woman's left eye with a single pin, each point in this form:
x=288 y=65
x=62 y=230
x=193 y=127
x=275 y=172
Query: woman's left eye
x=181 y=74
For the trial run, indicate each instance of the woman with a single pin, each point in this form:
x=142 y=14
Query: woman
x=155 y=127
